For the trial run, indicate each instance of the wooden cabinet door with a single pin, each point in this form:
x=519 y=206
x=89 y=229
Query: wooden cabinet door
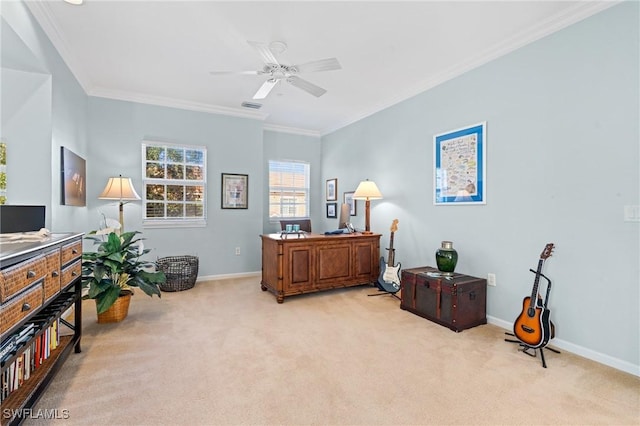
x=299 y=265
x=333 y=264
x=365 y=261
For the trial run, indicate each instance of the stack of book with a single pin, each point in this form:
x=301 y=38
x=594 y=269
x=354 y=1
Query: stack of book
x=37 y=352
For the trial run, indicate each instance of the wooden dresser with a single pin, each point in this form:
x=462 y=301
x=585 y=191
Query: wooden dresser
x=306 y=263
x=39 y=282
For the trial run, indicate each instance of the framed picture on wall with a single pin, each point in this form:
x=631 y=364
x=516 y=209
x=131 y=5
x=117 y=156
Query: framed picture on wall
x=459 y=166
x=235 y=191
x=332 y=210
x=332 y=190
x=73 y=179
x=347 y=198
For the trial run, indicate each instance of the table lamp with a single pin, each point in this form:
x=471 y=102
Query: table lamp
x=367 y=191
x=121 y=189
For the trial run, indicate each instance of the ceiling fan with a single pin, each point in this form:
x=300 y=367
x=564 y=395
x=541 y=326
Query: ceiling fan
x=289 y=73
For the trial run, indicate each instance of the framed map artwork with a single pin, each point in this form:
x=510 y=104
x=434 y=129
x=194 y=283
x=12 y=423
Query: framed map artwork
x=459 y=166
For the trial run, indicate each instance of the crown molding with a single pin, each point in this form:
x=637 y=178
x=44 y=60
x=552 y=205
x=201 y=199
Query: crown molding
x=292 y=130
x=175 y=103
x=576 y=13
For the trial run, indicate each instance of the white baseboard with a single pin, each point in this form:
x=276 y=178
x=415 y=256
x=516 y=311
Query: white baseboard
x=610 y=361
x=228 y=276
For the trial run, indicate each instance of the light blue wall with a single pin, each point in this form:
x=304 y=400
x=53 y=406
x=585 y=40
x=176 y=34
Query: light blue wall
x=43 y=108
x=287 y=146
x=562 y=159
x=562 y=162
x=234 y=145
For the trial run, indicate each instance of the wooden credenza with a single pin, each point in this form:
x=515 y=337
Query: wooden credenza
x=307 y=263
x=39 y=282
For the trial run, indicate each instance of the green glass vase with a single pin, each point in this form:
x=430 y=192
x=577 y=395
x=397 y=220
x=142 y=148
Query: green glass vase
x=446 y=258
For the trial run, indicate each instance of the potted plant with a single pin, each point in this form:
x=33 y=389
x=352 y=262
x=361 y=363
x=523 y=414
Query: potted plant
x=112 y=271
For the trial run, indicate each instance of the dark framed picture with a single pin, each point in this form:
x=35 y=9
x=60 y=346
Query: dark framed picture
x=332 y=210
x=235 y=191
x=73 y=179
x=332 y=189
x=347 y=198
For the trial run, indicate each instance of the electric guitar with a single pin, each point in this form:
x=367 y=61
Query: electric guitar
x=533 y=327
x=389 y=279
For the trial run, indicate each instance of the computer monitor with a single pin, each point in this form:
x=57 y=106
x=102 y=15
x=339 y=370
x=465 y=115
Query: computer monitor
x=345 y=215
x=21 y=218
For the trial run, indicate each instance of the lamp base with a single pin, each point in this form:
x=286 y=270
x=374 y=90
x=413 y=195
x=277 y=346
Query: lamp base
x=367 y=232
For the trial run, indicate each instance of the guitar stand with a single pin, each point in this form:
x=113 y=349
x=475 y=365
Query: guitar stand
x=382 y=293
x=526 y=348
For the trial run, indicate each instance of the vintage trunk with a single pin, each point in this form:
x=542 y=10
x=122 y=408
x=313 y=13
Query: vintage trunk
x=458 y=303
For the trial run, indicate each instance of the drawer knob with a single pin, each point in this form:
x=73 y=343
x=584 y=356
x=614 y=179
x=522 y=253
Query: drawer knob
x=26 y=307
x=31 y=274
x=74 y=273
x=74 y=251
x=55 y=274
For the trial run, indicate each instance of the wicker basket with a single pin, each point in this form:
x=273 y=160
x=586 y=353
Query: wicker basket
x=181 y=272
x=116 y=312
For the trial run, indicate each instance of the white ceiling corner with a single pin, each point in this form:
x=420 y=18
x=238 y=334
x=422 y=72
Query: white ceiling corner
x=161 y=52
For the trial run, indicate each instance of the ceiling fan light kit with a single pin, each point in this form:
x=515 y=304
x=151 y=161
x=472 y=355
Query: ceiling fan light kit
x=289 y=73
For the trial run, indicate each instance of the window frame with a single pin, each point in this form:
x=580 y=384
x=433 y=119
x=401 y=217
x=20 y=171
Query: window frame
x=173 y=222
x=306 y=190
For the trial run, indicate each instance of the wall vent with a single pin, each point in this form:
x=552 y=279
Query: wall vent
x=251 y=105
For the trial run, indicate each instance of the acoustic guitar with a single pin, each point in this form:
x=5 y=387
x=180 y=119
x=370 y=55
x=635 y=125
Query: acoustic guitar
x=389 y=279
x=532 y=327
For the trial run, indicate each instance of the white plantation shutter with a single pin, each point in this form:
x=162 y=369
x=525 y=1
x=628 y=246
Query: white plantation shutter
x=288 y=189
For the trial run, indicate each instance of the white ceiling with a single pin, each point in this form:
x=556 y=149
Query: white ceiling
x=161 y=52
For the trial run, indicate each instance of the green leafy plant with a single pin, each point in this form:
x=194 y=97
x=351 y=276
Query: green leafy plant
x=116 y=267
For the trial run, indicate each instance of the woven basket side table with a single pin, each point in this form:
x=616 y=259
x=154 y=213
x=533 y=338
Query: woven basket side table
x=181 y=272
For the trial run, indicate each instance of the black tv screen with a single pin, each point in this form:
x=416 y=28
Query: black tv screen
x=21 y=218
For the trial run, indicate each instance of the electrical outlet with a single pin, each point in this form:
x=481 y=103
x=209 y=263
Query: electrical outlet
x=491 y=280
x=237 y=251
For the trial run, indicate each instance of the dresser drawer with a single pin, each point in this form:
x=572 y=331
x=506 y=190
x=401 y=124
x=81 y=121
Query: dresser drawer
x=71 y=251
x=70 y=273
x=52 y=279
x=21 y=276
x=20 y=307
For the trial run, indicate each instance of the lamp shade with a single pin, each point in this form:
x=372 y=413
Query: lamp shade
x=119 y=188
x=367 y=190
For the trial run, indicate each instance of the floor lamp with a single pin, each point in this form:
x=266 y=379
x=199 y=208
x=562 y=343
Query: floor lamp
x=367 y=191
x=121 y=189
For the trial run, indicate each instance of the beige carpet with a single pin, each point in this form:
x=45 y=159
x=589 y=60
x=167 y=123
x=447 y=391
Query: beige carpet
x=225 y=353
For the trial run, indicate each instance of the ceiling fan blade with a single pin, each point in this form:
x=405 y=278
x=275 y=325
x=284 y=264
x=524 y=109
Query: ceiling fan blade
x=236 y=72
x=266 y=87
x=328 y=64
x=264 y=51
x=306 y=86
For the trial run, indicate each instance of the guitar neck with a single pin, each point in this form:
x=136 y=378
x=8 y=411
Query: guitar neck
x=391 y=251
x=536 y=282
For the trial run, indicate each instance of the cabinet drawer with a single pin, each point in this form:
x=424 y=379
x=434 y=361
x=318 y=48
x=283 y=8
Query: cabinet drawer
x=20 y=307
x=71 y=251
x=70 y=273
x=52 y=280
x=21 y=276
